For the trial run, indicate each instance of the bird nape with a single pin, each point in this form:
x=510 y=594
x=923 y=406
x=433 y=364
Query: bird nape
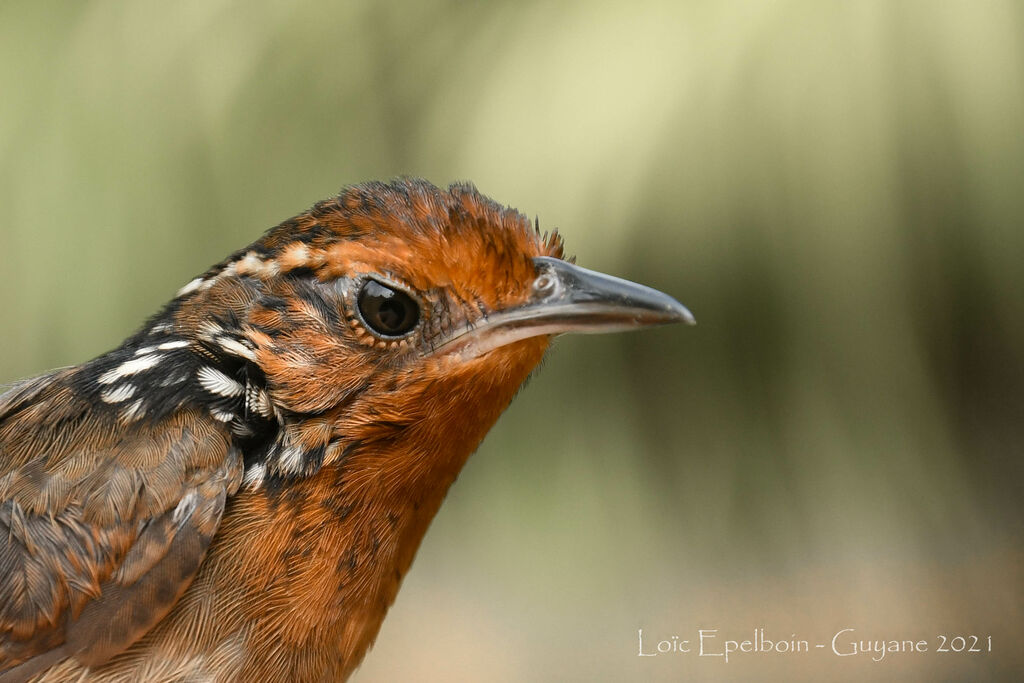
x=236 y=491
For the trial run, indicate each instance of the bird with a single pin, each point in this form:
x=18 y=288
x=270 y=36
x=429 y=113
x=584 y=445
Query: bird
x=236 y=492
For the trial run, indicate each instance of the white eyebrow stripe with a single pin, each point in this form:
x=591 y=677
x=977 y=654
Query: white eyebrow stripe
x=190 y=287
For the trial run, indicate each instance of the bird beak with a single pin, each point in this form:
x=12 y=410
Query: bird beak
x=567 y=298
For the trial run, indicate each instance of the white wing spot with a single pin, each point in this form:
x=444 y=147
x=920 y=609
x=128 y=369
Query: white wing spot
x=236 y=348
x=216 y=382
x=118 y=394
x=291 y=459
x=208 y=330
x=132 y=412
x=177 y=344
x=254 y=476
x=183 y=510
x=258 y=401
x=222 y=415
x=174 y=378
x=130 y=367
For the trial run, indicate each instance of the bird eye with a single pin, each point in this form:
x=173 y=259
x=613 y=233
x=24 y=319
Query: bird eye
x=387 y=312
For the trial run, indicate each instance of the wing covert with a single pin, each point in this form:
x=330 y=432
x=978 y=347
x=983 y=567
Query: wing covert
x=103 y=524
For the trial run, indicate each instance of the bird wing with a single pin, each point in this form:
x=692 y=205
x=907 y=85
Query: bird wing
x=103 y=524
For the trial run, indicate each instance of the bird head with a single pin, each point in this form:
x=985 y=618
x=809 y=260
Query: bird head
x=388 y=328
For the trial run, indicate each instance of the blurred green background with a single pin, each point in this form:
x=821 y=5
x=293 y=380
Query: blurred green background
x=835 y=189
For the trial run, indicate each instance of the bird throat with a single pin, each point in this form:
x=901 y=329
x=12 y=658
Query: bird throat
x=317 y=562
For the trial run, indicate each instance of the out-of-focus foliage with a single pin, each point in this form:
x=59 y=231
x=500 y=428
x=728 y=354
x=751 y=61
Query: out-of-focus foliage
x=834 y=188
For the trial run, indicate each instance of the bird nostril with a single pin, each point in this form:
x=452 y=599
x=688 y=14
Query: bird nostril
x=544 y=285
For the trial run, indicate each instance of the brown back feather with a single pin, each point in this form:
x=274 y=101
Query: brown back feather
x=102 y=528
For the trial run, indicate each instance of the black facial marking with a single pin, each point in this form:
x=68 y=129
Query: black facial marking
x=302 y=272
x=326 y=310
